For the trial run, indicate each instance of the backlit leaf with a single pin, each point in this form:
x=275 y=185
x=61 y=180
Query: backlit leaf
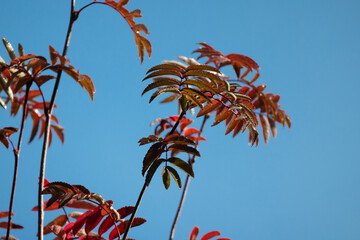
x=5 y=214
x=166 y=67
x=196 y=92
x=160 y=91
x=165 y=177
x=202 y=67
x=175 y=175
x=182 y=165
x=194 y=233
x=184 y=148
x=12 y=225
x=122 y=226
x=163 y=72
x=212 y=77
x=265 y=127
x=160 y=83
x=209 y=108
x=152 y=154
x=9 y=48
x=59 y=220
x=201 y=85
x=150 y=173
x=210 y=235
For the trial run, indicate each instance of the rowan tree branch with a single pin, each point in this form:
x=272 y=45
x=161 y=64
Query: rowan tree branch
x=17 y=156
x=182 y=114
x=183 y=196
x=48 y=113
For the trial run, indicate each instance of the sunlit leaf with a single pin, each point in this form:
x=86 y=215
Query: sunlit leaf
x=9 y=48
x=163 y=72
x=212 y=77
x=194 y=233
x=160 y=91
x=175 y=175
x=201 y=85
x=122 y=226
x=59 y=220
x=12 y=225
x=160 y=83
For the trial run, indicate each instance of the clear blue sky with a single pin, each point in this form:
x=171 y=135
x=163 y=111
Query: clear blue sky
x=302 y=185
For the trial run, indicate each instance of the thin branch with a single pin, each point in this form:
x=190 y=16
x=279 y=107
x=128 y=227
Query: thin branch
x=17 y=155
x=48 y=113
x=183 y=196
x=182 y=114
x=128 y=226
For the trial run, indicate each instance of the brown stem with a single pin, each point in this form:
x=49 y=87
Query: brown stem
x=17 y=155
x=183 y=196
x=48 y=113
x=182 y=114
x=128 y=226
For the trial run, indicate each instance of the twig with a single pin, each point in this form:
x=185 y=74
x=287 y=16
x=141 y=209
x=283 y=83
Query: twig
x=48 y=113
x=182 y=114
x=183 y=196
x=17 y=155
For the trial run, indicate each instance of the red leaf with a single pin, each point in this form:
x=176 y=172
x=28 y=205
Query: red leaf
x=93 y=220
x=122 y=226
x=12 y=225
x=210 y=235
x=125 y=211
x=194 y=233
x=5 y=214
x=80 y=222
x=190 y=131
x=108 y=222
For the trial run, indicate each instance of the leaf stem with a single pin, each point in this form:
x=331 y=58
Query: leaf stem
x=48 y=113
x=183 y=196
x=17 y=155
x=182 y=114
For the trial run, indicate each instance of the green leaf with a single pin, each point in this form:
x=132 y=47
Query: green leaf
x=181 y=164
x=183 y=104
x=198 y=93
x=175 y=175
x=150 y=173
x=200 y=85
x=166 y=177
x=9 y=48
x=202 y=67
x=166 y=66
x=212 y=77
x=163 y=73
x=159 y=83
x=174 y=89
x=152 y=154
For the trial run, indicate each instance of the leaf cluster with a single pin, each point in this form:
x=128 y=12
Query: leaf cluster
x=5 y=134
x=4 y=224
x=142 y=43
x=239 y=103
x=195 y=232
x=26 y=70
x=102 y=214
x=170 y=146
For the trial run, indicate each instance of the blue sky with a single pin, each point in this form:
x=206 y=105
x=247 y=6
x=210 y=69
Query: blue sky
x=302 y=185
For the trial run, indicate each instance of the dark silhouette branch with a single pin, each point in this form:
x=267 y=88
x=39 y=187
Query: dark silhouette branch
x=48 y=113
x=182 y=114
x=183 y=196
x=17 y=155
